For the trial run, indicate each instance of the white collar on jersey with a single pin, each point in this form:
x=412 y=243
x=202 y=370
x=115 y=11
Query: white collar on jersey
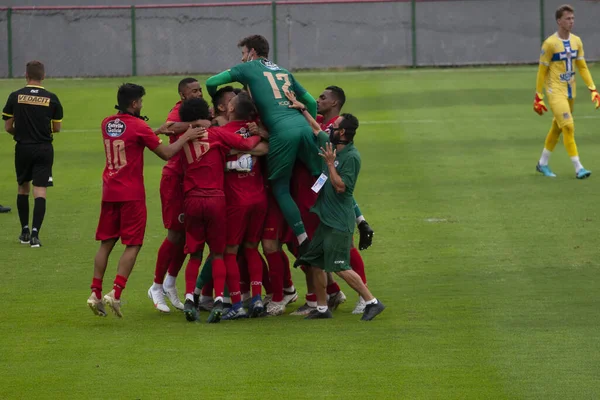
x=564 y=40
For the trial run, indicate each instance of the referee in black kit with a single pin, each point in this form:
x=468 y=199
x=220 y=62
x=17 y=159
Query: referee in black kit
x=32 y=114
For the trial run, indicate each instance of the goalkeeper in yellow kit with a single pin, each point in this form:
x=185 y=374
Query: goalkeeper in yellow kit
x=560 y=53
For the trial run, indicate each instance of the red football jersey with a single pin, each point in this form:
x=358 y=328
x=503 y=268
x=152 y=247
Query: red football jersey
x=244 y=188
x=204 y=161
x=325 y=124
x=125 y=138
x=173 y=166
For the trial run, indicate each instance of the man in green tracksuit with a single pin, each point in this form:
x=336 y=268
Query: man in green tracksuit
x=290 y=136
x=329 y=250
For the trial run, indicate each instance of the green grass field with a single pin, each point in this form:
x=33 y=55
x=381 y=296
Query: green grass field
x=489 y=270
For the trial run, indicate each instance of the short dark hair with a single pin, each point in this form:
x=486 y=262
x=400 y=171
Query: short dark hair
x=184 y=82
x=237 y=91
x=218 y=97
x=258 y=43
x=128 y=93
x=244 y=107
x=561 y=10
x=350 y=125
x=339 y=94
x=35 y=70
x=193 y=109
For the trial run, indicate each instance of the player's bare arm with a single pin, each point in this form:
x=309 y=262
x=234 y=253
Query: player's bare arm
x=294 y=103
x=180 y=127
x=176 y=128
x=261 y=149
x=56 y=126
x=9 y=126
x=166 y=152
x=258 y=130
x=165 y=129
x=329 y=153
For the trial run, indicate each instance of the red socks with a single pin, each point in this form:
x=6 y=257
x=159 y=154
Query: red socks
x=191 y=274
x=244 y=275
x=177 y=260
x=287 y=274
x=119 y=285
x=165 y=254
x=233 y=277
x=357 y=264
x=333 y=288
x=255 y=270
x=219 y=273
x=97 y=287
x=266 y=282
x=276 y=268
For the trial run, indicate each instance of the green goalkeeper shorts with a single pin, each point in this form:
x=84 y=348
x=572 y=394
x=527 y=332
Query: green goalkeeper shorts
x=329 y=250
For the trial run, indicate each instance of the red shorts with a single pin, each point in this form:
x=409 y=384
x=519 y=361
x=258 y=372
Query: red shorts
x=205 y=222
x=245 y=223
x=171 y=198
x=311 y=223
x=124 y=219
x=275 y=227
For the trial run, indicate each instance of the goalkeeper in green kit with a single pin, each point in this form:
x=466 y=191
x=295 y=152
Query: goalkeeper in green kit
x=290 y=135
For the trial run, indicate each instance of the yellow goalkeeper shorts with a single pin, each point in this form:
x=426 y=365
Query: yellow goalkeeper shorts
x=562 y=108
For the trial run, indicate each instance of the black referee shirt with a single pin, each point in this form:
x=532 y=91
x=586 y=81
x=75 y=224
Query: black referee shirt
x=33 y=108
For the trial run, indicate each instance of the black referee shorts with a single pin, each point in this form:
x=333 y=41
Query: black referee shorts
x=33 y=162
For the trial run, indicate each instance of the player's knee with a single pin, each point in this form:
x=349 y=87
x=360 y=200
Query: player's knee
x=109 y=242
x=270 y=246
x=568 y=130
x=38 y=192
x=24 y=188
x=251 y=245
x=569 y=139
x=233 y=249
x=345 y=274
x=132 y=249
x=175 y=237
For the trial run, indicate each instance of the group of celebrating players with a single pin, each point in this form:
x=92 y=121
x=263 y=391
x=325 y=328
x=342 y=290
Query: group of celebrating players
x=256 y=169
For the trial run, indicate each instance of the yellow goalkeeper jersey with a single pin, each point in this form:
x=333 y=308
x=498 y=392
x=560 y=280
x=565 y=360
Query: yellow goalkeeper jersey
x=560 y=57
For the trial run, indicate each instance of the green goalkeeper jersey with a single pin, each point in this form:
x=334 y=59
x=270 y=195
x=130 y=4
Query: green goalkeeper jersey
x=268 y=83
x=336 y=210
